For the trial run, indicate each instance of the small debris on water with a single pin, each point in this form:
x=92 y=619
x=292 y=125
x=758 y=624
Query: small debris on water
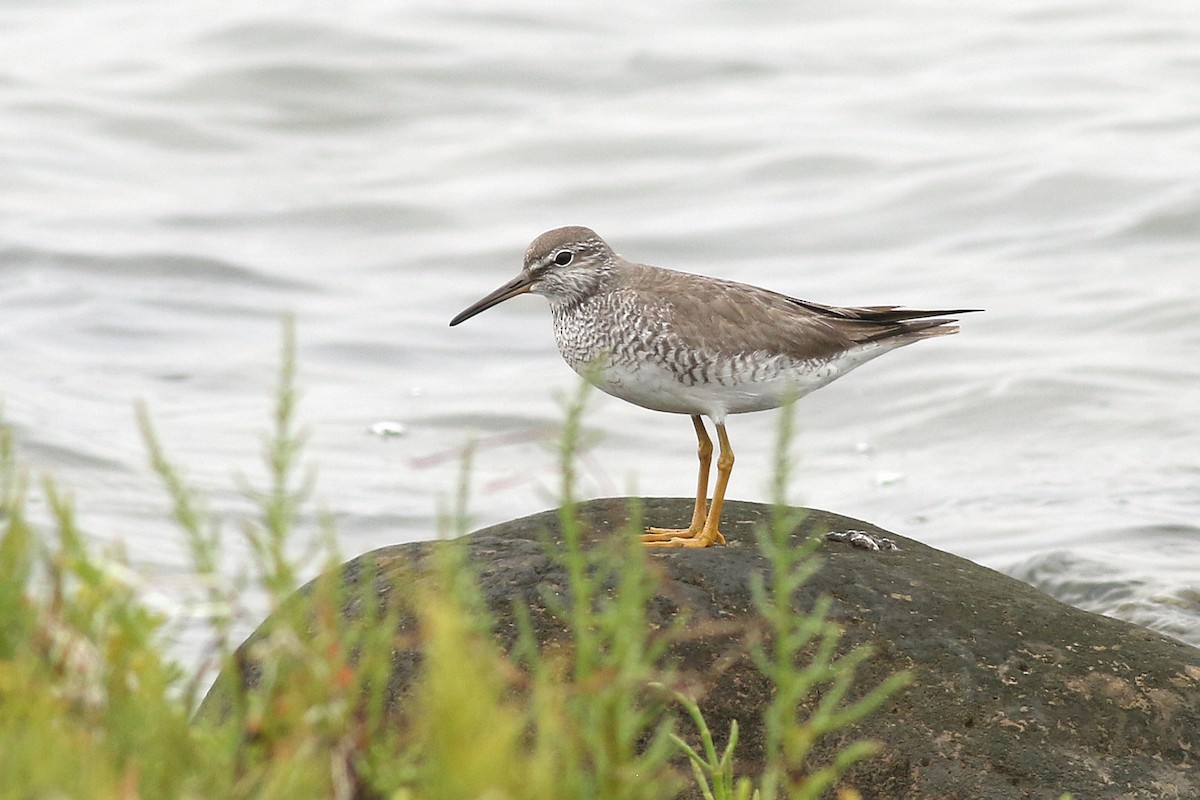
x=888 y=478
x=862 y=540
x=387 y=428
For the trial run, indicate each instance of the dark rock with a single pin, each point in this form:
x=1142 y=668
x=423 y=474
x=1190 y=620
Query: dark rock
x=1016 y=695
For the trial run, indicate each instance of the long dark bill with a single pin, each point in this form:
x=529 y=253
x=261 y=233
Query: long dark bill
x=518 y=285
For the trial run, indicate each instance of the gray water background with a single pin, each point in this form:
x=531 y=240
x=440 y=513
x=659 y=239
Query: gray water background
x=176 y=177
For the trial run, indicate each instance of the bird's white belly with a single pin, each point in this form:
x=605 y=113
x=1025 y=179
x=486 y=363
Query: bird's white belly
x=725 y=391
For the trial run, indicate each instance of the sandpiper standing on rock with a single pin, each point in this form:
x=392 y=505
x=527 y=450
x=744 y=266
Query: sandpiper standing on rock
x=688 y=344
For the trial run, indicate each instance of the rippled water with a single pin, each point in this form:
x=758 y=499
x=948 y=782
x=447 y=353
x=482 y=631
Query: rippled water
x=173 y=178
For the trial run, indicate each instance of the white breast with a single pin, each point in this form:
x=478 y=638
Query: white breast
x=728 y=387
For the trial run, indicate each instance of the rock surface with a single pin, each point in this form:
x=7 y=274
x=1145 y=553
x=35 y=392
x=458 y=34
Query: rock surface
x=1016 y=695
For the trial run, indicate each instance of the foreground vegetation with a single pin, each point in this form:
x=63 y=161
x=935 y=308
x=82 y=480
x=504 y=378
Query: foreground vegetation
x=92 y=705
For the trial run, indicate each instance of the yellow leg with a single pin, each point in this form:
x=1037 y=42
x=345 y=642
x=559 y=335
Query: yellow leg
x=703 y=531
x=700 y=511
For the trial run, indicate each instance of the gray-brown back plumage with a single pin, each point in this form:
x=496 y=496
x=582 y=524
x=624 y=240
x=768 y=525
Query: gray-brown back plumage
x=745 y=318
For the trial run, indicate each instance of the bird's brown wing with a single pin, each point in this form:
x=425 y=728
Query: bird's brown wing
x=747 y=319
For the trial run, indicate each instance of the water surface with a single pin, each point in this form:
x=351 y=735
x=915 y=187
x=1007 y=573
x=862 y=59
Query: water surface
x=175 y=178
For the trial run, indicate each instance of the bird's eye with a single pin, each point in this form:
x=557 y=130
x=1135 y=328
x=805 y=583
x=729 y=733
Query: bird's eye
x=564 y=257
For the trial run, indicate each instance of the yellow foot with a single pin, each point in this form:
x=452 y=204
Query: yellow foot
x=667 y=534
x=668 y=537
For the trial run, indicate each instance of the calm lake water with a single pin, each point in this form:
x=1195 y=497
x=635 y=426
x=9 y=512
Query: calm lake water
x=176 y=177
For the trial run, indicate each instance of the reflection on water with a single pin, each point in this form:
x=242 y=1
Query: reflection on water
x=1135 y=593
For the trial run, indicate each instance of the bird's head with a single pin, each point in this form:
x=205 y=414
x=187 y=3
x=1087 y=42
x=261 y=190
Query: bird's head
x=564 y=265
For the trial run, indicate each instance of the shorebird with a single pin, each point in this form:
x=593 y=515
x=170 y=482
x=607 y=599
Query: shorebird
x=689 y=344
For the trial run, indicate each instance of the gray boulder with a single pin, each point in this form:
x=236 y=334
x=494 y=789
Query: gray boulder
x=1016 y=695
